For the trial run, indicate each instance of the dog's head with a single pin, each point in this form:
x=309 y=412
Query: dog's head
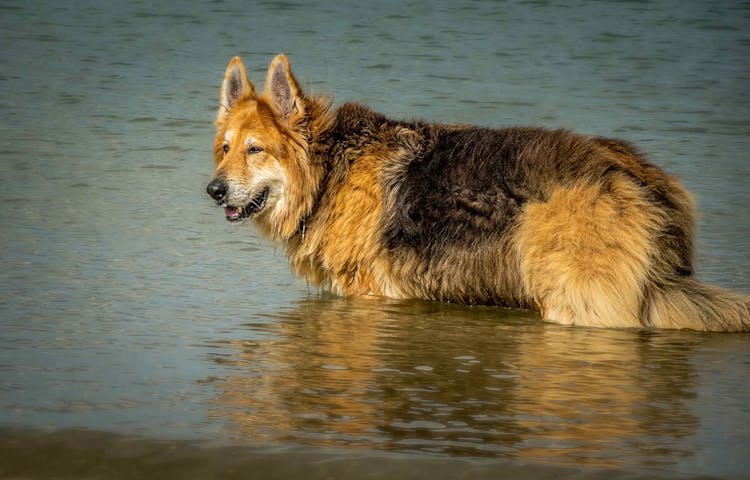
x=262 y=167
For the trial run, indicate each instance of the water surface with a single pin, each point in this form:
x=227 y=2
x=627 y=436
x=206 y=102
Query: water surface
x=134 y=319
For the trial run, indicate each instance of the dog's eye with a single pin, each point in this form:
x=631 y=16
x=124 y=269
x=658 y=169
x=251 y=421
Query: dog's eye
x=254 y=149
x=225 y=147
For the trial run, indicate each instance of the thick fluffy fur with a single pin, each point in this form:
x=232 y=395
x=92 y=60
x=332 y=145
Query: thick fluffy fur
x=583 y=229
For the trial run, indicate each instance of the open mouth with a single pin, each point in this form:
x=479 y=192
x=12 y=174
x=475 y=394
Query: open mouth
x=235 y=214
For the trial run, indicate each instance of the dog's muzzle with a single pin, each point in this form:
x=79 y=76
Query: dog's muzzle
x=218 y=190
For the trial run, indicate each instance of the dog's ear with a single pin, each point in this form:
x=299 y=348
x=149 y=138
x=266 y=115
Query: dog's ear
x=283 y=90
x=234 y=87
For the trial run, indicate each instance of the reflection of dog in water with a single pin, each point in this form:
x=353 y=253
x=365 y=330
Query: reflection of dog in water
x=581 y=228
x=400 y=375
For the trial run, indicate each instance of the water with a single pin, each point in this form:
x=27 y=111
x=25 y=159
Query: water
x=140 y=334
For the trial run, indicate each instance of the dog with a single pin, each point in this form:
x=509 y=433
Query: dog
x=583 y=229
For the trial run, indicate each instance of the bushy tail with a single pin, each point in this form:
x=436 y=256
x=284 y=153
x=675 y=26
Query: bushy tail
x=691 y=304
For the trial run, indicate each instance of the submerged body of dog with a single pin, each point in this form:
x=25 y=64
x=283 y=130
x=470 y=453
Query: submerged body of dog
x=581 y=228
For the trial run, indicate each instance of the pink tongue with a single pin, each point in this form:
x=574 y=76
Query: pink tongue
x=231 y=212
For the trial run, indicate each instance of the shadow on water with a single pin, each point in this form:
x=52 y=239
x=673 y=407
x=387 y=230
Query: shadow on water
x=460 y=381
x=83 y=454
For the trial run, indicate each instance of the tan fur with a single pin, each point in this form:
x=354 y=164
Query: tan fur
x=689 y=303
x=585 y=253
x=342 y=246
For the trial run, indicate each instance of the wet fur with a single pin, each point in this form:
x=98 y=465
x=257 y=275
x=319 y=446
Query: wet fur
x=583 y=229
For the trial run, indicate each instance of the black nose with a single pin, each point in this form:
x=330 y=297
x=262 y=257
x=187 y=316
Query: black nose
x=217 y=189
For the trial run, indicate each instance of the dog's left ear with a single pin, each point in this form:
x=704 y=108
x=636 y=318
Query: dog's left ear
x=283 y=90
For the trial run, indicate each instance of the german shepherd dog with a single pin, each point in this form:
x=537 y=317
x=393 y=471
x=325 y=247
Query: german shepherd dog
x=581 y=228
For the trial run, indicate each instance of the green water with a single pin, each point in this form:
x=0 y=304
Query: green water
x=140 y=334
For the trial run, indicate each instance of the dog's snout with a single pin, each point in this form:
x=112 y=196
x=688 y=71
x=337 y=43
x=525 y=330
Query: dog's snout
x=217 y=189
